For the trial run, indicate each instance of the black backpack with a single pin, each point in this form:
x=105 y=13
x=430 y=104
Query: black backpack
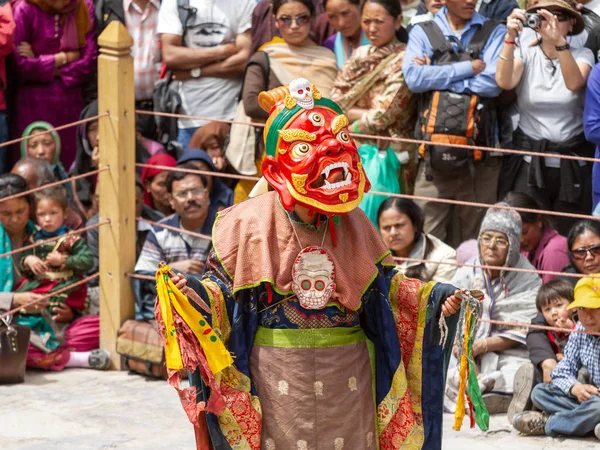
x=447 y=117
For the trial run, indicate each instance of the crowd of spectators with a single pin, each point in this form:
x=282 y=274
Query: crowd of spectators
x=493 y=73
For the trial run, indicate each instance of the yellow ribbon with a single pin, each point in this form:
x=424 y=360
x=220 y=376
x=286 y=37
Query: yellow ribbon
x=170 y=297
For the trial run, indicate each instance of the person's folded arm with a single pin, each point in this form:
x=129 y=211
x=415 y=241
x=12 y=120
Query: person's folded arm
x=176 y=56
x=233 y=66
x=423 y=78
x=39 y=69
x=484 y=83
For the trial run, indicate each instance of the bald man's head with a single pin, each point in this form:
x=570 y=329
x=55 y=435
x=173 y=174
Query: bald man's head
x=35 y=171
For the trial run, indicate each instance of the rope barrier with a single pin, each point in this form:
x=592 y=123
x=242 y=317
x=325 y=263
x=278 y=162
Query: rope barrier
x=492 y=322
x=62 y=127
x=487 y=205
x=139 y=276
x=392 y=139
x=55 y=238
x=54 y=183
x=47 y=296
x=199 y=172
x=179 y=230
x=498 y=268
x=389 y=194
x=538 y=327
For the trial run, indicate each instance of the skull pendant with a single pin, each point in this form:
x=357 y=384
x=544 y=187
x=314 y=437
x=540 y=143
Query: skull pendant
x=313 y=278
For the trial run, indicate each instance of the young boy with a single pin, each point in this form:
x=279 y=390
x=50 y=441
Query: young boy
x=569 y=407
x=545 y=347
x=53 y=266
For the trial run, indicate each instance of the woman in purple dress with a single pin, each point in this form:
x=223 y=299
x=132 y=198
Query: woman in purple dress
x=55 y=57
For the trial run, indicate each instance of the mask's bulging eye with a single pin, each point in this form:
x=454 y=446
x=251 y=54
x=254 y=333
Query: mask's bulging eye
x=316 y=119
x=300 y=150
x=343 y=136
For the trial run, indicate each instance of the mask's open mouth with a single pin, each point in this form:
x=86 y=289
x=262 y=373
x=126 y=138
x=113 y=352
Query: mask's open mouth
x=333 y=176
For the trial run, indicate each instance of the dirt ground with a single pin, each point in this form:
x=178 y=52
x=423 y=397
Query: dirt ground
x=82 y=409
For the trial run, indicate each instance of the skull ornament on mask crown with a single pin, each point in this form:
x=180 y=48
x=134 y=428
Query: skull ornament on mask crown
x=311 y=160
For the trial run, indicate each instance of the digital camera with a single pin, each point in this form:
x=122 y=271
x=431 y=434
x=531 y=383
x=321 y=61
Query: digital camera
x=533 y=21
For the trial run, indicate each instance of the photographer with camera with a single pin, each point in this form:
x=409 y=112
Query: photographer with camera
x=549 y=79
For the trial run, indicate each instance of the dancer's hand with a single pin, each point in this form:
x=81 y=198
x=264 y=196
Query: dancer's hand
x=180 y=282
x=452 y=304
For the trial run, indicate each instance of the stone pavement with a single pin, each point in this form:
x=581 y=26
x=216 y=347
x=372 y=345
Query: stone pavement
x=82 y=409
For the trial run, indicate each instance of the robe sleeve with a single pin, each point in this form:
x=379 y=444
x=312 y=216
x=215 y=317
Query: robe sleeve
x=401 y=316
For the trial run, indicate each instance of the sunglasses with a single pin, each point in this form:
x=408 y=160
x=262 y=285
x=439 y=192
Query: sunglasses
x=286 y=21
x=581 y=253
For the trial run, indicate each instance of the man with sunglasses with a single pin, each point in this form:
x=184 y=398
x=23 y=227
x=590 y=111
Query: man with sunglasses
x=208 y=55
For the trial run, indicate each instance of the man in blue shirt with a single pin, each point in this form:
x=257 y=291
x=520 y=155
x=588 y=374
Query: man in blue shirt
x=458 y=21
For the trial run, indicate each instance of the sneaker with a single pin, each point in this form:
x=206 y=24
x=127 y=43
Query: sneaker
x=522 y=387
x=497 y=403
x=597 y=431
x=530 y=423
x=486 y=383
x=99 y=359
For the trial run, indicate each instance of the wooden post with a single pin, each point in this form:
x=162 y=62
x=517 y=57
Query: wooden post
x=117 y=185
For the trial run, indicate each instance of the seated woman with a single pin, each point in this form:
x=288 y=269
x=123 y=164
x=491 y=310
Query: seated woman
x=81 y=335
x=401 y=226
x=154 y=181
x=220 y=194
x=549 y=78
x=344 y=17
x=370 y=86
x=583 y=246
x=540 y=242
x=509 y=296
x=47 y=147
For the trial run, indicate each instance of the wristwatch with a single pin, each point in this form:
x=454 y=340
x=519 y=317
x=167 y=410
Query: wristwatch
x=196 y=72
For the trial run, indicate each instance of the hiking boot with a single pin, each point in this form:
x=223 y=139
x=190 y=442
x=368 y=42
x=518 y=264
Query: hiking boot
x=99 y=359
x=497 y=403
x=522 y=387
x=597 y=431
x=530 y=423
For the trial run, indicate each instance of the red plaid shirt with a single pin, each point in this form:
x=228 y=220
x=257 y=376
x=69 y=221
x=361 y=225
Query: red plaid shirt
x=142 y=24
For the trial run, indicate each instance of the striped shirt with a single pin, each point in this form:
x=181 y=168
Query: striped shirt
x=141 y=24
x=582 y=350
x=171 y=246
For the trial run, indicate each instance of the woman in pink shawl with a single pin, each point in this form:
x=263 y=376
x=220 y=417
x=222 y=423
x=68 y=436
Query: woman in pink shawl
x=55 y=57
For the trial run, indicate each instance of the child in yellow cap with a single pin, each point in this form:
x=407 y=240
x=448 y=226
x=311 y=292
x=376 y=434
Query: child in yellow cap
x=569 y=407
